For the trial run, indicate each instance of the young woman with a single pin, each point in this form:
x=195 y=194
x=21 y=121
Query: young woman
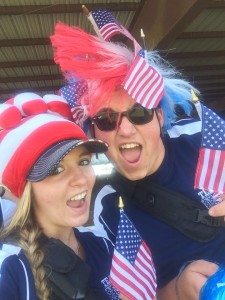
x=45 y=163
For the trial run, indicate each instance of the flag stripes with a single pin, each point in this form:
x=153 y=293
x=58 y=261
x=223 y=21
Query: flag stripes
x=78 y=114
x=143 y=83
x=212 y=174
x=137 y=281
x=109 y=30
x=210 y=170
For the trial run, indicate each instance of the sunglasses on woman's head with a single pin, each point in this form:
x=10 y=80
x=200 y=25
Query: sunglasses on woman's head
x=109 y=120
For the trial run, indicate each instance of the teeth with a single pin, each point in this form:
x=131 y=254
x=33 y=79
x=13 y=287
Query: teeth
x=79 y=197
x=129 y=146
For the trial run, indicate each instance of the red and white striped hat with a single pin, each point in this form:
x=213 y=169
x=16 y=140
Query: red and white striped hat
x=58 y=105
x=25 y=142
x=29 y=103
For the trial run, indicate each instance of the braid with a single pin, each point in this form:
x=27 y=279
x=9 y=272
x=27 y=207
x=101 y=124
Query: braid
x=29 y=242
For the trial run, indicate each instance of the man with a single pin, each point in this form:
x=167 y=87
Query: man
x=155 y=156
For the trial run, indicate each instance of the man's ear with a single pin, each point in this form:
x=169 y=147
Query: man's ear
x=160 y=119
x=160 y=116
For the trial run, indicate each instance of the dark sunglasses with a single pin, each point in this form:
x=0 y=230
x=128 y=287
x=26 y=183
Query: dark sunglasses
x=109 y=120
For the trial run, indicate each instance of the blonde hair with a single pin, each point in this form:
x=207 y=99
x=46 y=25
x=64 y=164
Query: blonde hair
x=24 y=231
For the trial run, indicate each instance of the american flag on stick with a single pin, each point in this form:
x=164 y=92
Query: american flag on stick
x=132 y=273
x=143 y=83
x=106 y=26
x=210 y=172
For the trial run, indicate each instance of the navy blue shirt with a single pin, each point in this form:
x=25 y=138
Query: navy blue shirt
x=170 y=248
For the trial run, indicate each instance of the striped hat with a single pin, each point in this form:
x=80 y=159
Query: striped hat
x=31 y=149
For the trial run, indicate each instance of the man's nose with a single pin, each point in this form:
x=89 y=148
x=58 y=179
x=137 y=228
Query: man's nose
x=126 y=127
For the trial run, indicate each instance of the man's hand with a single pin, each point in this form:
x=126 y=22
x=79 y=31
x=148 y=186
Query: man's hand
x=188 y=285
x=218 y=210
x=194 y=276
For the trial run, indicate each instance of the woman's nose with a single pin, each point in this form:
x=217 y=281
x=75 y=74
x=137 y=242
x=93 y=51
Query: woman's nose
x=78 y=176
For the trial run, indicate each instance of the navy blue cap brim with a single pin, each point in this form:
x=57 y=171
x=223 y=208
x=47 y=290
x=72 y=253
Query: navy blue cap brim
x=49 y=160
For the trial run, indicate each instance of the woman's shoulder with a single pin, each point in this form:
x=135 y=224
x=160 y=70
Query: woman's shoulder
x=8 y=250
x=16 y=278
x=12 y=258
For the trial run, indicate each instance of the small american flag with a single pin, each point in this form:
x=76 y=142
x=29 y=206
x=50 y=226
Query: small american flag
x=104 y=23
x=72 y=93
x=143 y=83
x=132 y=272
x=210 y=172
x=106 y=26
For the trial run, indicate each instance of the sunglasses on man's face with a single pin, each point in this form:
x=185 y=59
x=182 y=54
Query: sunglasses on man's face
x=109 y=120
